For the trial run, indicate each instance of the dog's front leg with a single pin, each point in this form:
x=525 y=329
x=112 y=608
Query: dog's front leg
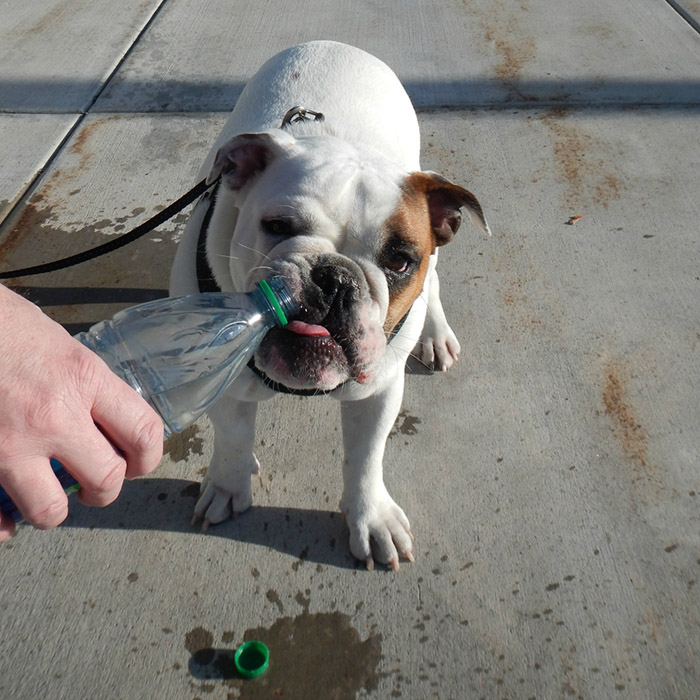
x=438 y=347
x=226 y=488
x=377 y=524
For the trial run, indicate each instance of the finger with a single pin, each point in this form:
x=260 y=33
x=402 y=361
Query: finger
x=36 y=493
x=7 y=528
x=95 y=464
x=131 y=425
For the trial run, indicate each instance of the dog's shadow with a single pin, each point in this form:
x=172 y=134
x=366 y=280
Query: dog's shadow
x=166 y=505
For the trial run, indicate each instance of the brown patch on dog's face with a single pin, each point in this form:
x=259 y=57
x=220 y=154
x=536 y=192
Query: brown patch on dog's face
x=405 y=256
x=427 y=216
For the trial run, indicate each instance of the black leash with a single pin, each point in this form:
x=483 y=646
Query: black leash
x=293 y=115
x=124 y=239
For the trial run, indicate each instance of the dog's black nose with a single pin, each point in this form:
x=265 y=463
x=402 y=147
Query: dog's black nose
x=337 y=284
x=327 y=278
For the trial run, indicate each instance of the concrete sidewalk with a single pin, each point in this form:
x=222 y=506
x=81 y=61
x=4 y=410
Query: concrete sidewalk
x=552 y=479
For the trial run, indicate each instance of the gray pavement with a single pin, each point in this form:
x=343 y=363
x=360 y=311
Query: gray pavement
x=552 y=479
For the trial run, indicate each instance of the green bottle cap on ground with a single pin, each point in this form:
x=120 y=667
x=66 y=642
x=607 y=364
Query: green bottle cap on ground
x=252 y=659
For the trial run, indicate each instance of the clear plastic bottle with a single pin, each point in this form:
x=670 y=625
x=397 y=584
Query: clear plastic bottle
x=182 y=353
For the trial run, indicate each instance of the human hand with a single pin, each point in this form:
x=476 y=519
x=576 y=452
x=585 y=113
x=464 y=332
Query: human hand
x=59 y=399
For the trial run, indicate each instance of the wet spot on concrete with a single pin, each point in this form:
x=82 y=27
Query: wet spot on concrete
x=318 y=655
x=405 y=425
x=31 y=219
x=199 y=643
x=183 y=445
x=311 y=656
x=303 y=601
x=40 y=229
x=273 y=597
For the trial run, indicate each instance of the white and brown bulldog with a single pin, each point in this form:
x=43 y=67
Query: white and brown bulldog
x=334 y=201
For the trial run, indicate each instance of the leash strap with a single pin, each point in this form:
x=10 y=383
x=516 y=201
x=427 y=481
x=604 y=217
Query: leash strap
x=146 y=227
x=293 y=115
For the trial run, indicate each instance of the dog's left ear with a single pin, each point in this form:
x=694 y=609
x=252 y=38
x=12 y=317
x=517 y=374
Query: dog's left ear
x=244 y=157
x=445 y=199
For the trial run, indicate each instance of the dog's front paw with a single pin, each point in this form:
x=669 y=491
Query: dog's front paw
x=219 y=499
x=438 y=347
x=379 y=530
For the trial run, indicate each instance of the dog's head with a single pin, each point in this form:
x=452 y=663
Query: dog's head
x=350 y=232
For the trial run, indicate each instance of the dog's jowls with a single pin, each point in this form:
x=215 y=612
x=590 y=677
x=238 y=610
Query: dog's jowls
x=341 y=209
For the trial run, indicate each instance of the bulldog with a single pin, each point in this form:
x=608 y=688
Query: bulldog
x=317 y=179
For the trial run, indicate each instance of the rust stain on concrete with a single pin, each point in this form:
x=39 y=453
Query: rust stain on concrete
x=500 y=25
x=632 y=435
x=51 y=19
x=582 y=162
x=515 y=54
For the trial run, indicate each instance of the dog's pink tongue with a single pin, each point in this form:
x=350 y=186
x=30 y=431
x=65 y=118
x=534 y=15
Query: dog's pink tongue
x=301 y=328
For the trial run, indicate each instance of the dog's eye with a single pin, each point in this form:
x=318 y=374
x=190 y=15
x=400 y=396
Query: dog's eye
x=398 y=263
x=278 y=227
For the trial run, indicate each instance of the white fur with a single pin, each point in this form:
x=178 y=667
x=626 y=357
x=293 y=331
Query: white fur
x=345 y=183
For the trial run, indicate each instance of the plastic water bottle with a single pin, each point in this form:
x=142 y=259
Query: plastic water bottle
x=182 y=353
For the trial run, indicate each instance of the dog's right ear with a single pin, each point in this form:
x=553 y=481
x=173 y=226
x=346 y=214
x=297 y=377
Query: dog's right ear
x=244 y=157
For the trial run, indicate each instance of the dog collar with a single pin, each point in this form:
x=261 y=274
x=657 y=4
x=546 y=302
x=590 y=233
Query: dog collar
x=205 y=275
x=282 y=389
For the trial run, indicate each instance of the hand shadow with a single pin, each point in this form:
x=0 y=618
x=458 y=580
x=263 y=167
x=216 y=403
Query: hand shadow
x=166 y=505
